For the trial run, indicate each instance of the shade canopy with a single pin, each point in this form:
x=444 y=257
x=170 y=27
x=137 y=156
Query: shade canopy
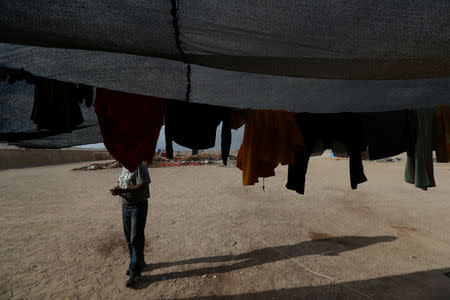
x=312 y=55
x=357 y=39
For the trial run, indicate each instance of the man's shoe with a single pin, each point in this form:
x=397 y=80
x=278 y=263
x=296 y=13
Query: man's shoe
x=133 y=280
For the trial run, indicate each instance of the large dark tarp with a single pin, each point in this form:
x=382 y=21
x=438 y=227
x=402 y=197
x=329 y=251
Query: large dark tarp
x=167 y=79
x=358 y=39
x=303 y=56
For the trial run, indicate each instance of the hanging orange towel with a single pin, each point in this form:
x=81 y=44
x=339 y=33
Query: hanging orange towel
x=270 y=138
x=443 y=133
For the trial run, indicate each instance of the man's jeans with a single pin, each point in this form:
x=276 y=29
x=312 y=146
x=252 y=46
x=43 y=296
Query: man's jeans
x=134 y=218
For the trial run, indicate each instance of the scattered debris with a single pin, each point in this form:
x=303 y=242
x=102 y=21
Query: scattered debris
x=175 y=164
x=81 y=279
x=389 y=159
x=160 y=160
x=392 y=159
x=99 y=166
x=203 y=276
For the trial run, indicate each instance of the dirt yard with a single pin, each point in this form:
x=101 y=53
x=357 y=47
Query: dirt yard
x=210 y=237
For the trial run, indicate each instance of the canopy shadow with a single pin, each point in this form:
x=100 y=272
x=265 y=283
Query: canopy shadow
x=328 y=246
x=420 y=285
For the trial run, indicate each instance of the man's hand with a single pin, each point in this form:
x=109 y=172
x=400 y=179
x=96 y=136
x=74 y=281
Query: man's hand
x=116 y=191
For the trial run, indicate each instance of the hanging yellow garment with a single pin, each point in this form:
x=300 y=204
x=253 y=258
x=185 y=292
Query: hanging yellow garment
x=270 y=138
x=443 y=133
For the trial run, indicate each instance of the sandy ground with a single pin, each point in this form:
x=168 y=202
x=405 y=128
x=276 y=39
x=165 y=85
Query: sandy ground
x=209 y=237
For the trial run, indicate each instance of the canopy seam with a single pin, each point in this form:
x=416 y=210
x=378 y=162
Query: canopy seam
x=184 y=59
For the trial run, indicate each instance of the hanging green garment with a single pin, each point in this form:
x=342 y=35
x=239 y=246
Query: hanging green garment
x=419 y=165
x=443 y=133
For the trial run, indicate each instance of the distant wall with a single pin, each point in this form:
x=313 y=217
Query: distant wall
x=22 y=158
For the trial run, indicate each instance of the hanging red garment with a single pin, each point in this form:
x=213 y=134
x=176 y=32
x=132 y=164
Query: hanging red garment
x=130 y=125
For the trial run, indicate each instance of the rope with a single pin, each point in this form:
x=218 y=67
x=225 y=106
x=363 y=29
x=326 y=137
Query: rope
x=289 y=257
x=176 y=27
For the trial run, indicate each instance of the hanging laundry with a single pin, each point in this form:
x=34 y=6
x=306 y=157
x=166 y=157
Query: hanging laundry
x=86 y=93
x=14 y=75
x=130 y=125
x=225 y=140
x=56 y=107
x=419 y=164
x=318 y=146
x=387 y=133
x=238 y=117
x=442 y=143
x=270 y=138
x=297 y=171
x=328 y=129
x=233 y=120
x=194 y=126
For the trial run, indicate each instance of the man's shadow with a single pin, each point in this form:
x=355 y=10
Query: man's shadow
x=329 y=246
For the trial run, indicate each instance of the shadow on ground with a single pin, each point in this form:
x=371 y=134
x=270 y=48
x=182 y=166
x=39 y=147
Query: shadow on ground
x=331 y=246
x=421 y=285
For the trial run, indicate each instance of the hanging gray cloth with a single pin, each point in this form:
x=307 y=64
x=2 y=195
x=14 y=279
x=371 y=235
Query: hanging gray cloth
x=311 y=38
x=300 y=56
x=419 y=165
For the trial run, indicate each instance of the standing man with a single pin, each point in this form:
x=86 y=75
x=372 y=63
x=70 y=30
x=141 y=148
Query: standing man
x=133 y=191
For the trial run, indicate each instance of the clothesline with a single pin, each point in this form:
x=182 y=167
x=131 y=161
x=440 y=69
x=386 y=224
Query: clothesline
x=280 y=137
x=130 y=126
